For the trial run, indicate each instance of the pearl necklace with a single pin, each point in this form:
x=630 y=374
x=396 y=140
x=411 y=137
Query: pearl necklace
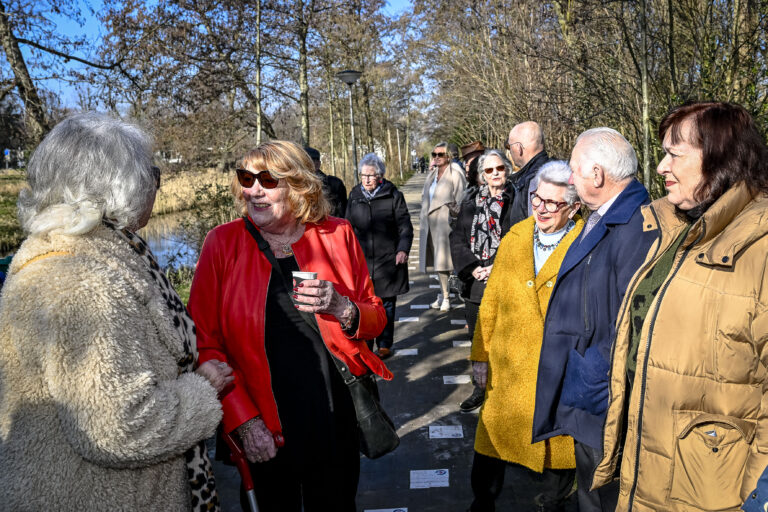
x=550 y=247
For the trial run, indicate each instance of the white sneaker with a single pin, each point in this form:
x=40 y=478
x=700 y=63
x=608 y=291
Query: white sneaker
x=436 y=304
x=446 y=305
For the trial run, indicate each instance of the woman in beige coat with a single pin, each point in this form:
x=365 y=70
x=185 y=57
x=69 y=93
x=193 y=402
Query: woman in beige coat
x=440 y=202
x=690 y=361
x=100 y=408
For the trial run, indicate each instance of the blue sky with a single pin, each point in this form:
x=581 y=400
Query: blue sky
x=93 y=30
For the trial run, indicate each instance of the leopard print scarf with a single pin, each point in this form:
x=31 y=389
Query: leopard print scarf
x=199 y=468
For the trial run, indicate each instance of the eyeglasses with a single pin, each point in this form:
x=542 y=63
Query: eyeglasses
x=549 y=205
x=368 y=176
x=438 y=155
x=248 y=178
x=499 y=168
x=508 y=145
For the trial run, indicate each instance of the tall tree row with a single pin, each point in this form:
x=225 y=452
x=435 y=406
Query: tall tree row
x=573 y=65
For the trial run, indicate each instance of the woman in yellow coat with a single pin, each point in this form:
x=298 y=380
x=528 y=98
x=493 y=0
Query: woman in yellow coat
x=507 y=343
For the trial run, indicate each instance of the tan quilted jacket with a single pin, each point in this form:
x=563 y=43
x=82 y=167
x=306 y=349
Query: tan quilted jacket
x=696 y=431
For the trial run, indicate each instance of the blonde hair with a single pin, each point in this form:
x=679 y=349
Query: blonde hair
x=288 y=161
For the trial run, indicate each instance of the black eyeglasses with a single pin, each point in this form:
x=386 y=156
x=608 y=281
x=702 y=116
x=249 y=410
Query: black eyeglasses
x=438 y=155
x=549 y=205
x=508 y=146
x=499 y=168
x=248 y=178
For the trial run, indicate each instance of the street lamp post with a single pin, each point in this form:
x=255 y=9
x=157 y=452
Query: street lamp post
x=349 y=77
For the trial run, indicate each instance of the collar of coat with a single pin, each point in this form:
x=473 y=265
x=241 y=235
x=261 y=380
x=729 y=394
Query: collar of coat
x=519 y=241
x=386 y=189
x=736 y=220
x=531 y=167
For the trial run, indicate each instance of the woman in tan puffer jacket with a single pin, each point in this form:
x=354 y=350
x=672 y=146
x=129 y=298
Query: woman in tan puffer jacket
x=689 y=367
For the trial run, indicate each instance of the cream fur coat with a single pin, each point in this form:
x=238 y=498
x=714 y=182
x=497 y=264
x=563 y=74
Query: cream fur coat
x=93 y=412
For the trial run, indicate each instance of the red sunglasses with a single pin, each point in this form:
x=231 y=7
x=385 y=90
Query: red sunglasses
x=248 y=178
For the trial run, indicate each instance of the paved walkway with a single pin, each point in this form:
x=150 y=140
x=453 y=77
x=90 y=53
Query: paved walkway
x=431 y=349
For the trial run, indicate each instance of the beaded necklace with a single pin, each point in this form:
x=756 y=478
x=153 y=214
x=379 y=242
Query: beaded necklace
x=550 y=247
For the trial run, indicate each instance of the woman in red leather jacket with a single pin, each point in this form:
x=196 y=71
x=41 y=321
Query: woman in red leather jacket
x=288 y=402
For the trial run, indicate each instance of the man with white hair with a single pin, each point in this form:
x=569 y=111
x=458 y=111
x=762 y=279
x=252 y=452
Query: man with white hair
x=579 y=329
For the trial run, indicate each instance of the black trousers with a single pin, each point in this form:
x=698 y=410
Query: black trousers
x=488 y=481
x=387 y=336
x=283 y=485
x=603 y=499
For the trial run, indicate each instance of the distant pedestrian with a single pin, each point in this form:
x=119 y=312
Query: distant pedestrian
x=507 y=344
x=572 y=385
x=333 y=187
x=440 y=198
x=687 y=419
x=481 y=224
x=380 y=218
x=102 y=408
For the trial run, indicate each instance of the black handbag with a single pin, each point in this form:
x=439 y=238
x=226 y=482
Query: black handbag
x=376 y=429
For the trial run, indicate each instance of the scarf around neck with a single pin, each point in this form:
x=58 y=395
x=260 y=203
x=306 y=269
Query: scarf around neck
x=485 y=234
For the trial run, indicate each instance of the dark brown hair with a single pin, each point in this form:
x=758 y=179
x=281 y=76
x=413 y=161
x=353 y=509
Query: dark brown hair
x=732 y=149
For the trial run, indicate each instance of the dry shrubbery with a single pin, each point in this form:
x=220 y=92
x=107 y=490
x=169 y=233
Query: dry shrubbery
x=177 y=190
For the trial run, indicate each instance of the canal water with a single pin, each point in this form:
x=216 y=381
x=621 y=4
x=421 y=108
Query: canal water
x=166 y=241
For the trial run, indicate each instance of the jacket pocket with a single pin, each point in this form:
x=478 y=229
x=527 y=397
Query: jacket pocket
x=710 y=457
x=586 y=382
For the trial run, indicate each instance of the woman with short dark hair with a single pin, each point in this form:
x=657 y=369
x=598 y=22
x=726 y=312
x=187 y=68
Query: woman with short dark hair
x=689 y=379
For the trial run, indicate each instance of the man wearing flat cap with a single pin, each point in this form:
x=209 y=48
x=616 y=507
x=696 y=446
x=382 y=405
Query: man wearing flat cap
x=334 y=188
x=469 y=154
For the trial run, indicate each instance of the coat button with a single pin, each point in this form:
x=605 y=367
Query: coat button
x=649 y=226
x=701 y=255
x=549 y=284
x=725 y=259
x=530 y=284
x=715 y=449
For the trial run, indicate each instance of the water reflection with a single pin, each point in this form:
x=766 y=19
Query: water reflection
x=163 y=234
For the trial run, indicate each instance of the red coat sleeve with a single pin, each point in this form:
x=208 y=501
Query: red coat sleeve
x=205 y=303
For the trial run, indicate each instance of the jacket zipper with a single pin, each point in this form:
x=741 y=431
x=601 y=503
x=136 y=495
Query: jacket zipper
x=631 y=287
x=584 y=294
x=645 y=364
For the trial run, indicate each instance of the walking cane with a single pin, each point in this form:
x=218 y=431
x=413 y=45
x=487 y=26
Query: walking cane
x=238 y=457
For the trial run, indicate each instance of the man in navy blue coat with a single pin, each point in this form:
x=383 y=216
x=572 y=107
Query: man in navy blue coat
x=572 y=385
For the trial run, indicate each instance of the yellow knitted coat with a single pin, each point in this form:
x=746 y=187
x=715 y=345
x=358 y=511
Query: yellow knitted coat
x=508 y=336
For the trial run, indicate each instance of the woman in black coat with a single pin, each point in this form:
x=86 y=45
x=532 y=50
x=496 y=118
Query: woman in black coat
x=480 y=226
x=380 y=219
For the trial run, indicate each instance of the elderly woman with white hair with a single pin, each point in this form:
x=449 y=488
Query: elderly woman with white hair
x=482 y=222
x=101 y=407
x=507 y=344
x=382 y=224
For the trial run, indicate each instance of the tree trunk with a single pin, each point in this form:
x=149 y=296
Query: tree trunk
x=330 y=125
x=27 y=89
x=258 y=72
x=368 y=116
x=644 y=84
x=302 y=30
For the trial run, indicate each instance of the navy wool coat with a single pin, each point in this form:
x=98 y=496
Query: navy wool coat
x=383 y=227
x=579 y=329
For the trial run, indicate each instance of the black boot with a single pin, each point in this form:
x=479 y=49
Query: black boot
x=474 y=400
